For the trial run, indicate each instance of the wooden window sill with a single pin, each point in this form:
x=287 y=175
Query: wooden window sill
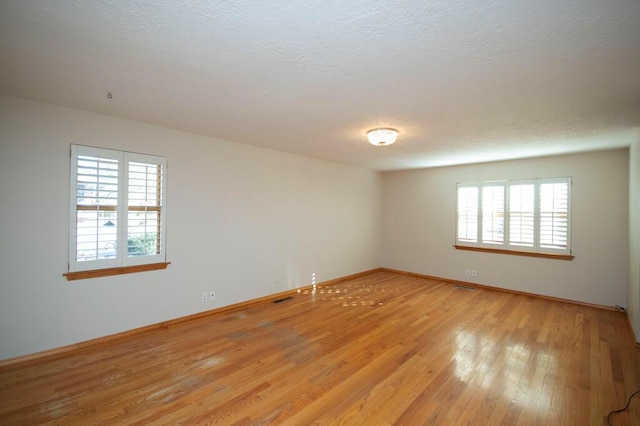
x=95 y=273
x=517 y=253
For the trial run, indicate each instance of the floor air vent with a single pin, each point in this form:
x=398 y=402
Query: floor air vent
x=464 y=287
x=284 y=299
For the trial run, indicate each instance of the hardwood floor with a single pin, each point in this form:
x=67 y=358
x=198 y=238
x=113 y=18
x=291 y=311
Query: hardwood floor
x=381 y=349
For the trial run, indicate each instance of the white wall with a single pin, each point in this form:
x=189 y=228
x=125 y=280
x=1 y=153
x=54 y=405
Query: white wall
x=633 y=289
x=419 y=227
x=243 y=221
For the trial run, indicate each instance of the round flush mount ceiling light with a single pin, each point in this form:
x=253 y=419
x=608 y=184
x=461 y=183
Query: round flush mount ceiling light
x=382 y=136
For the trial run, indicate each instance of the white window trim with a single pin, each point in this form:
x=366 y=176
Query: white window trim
x=122 y=259
x=506 y=245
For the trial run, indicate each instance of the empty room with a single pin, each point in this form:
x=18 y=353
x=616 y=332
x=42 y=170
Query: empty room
x=376 y=213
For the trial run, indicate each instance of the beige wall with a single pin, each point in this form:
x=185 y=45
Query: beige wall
x=419 y=227
x=242 y=221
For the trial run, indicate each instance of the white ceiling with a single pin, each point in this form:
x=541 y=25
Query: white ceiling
x=463 y=80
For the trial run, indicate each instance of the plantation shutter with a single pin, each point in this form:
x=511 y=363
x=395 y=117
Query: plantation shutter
x=525 y=215
x=95 y=199
x=467 y=223
x=117 y=209
x=493 y=214
x=554 y=214
x=522 y=214
x=145 y=208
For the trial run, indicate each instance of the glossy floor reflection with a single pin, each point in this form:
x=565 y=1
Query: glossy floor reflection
x=514 y=368
x=349 y=294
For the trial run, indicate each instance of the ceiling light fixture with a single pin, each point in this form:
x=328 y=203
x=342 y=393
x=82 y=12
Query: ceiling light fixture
x=382 y=137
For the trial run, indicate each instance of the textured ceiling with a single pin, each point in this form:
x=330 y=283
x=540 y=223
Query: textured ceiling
x=463 y=80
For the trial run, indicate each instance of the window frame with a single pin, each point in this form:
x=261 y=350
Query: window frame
x=123 y=262
x=507 y=245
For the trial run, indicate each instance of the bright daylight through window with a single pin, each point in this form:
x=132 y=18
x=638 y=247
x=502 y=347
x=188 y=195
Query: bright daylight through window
x=117 y=209
x=525 y=216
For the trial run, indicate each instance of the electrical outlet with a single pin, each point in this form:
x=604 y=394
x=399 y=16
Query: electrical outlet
x=204 y=298
x=212 y=295
x=474 y=273
x=467 y=272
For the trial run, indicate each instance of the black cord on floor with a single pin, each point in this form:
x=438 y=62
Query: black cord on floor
x=622 y=409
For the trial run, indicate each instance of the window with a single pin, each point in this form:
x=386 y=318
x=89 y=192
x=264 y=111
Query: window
x=526 y=216
x=117 y=209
